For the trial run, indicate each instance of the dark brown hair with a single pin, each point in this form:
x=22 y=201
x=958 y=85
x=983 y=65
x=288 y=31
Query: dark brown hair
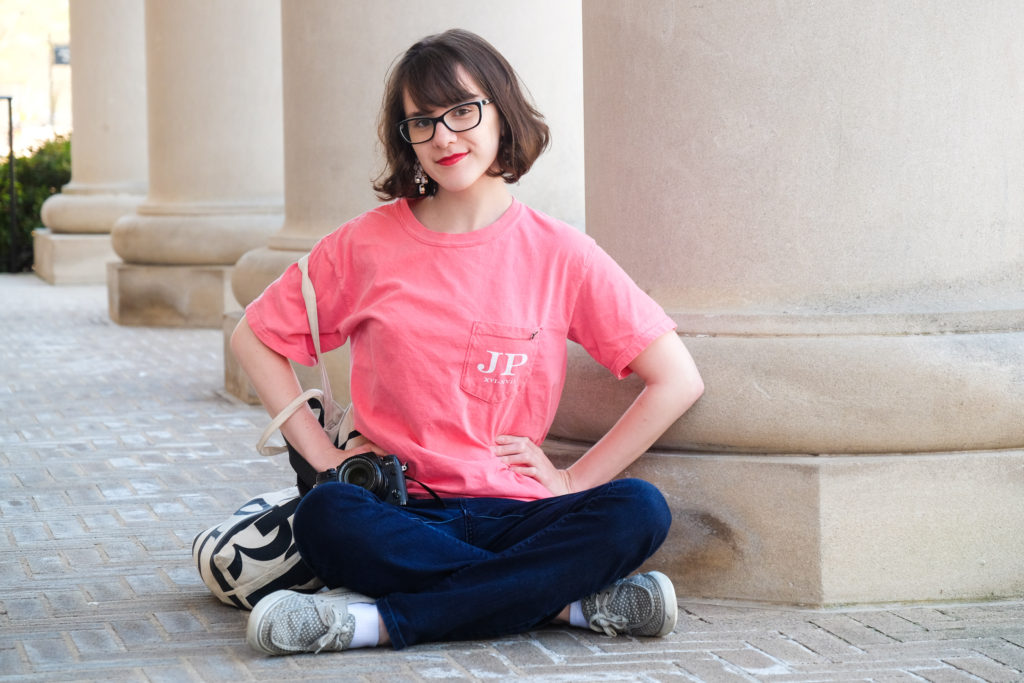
x=428 y=71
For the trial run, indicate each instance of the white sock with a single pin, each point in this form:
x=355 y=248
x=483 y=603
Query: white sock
x=367 y=626
x=576 y=617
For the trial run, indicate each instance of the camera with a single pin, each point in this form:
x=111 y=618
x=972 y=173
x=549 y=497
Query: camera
x=382 y=476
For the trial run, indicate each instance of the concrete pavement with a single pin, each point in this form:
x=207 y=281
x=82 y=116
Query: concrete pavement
x=118 y=444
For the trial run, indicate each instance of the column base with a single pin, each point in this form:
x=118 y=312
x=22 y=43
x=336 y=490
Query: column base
x=834 y=530
x=71 y=259
x=258 y=268
x=934 y=391
x=169 y=296
x=90 y=208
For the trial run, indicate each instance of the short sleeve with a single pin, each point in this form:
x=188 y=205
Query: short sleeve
x=613 y=319
x=278 y=315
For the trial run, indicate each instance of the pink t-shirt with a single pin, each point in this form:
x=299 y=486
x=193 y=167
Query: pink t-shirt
x=457 y=338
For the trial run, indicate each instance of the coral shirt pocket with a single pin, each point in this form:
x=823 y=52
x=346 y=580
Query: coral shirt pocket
x=499 y=360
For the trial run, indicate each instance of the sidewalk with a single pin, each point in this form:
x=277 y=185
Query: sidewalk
x=118 y=444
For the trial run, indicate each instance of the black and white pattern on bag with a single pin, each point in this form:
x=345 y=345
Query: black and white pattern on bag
x=253 y=553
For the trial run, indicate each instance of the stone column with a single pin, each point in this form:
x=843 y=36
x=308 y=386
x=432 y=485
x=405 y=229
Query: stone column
x=108 y=155
x=826 y=197
x=336 y=54
x=215 y=178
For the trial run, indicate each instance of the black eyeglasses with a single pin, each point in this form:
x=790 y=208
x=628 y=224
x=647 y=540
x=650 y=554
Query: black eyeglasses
x=458 y=119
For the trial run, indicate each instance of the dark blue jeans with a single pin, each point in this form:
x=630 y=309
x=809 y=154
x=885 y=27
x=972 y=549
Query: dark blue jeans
x=477 y=568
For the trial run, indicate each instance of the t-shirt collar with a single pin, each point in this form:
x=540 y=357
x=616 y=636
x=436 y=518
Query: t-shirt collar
x=463 y=239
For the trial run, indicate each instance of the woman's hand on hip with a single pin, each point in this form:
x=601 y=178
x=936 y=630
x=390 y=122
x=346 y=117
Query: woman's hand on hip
x=524 y=457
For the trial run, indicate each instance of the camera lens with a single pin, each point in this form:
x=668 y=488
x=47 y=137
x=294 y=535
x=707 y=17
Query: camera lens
x=360 y=472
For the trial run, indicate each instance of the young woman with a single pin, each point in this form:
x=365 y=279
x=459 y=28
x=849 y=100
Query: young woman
x=457 y=301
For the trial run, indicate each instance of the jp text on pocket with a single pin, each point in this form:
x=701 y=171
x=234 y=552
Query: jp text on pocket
x=499 y=360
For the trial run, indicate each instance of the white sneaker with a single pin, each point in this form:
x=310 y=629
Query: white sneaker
x=639 y=605
x=286 y=622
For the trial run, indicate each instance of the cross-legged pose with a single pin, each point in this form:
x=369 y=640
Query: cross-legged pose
x=457 y=301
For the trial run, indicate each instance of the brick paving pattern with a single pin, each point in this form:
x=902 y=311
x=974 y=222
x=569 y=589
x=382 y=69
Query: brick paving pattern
x=118 y=444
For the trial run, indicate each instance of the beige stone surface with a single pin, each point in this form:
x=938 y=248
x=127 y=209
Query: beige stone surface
x=743 y=527
x=209 y=235
x=215 y=149
x=88 y=209
x=819 y=200
x=169 y=296
x=108 y=83
x=816 y=159
x=68 y=259
x=827 y=394
x=109 y=153
x=214 y=102
x=824 y=211
x=837 y=530
x=923 y=527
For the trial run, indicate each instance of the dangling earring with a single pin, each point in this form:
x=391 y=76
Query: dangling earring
x=420 y=178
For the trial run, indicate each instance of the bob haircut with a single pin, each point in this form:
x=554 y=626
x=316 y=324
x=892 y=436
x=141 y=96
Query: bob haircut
x=428 y=71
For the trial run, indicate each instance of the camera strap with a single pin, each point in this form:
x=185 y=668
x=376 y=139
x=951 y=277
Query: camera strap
x=426 y=488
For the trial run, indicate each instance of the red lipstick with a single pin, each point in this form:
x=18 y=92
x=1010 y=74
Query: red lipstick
x=451 y=160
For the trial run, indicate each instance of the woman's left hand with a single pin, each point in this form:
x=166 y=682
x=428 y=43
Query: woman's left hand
x=525 y=457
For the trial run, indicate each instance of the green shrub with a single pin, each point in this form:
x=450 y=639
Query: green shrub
x=37 y=176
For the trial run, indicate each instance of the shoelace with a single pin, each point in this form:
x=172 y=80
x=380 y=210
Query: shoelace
x=337 y=628
x=611 y=624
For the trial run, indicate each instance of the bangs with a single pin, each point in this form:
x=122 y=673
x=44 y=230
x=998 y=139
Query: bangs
x=432 y=81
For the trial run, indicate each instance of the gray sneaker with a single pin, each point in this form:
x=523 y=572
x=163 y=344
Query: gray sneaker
x=286 y=622
x=639 y=605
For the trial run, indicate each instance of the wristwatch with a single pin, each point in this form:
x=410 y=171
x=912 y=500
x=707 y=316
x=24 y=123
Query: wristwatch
x=326 y=476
